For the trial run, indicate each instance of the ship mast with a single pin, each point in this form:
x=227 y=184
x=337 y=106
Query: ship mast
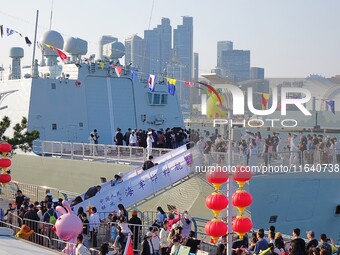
x=35 y=40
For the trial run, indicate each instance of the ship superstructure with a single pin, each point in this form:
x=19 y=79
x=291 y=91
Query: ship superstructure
x=66 y=102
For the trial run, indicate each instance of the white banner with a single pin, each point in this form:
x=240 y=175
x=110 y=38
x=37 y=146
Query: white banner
x=142 y=184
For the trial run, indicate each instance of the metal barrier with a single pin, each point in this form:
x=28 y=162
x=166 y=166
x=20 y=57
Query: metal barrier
x=292 y=161
x=34 y=192
x=34 y=237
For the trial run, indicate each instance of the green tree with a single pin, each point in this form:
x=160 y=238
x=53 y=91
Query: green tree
x=21 y=137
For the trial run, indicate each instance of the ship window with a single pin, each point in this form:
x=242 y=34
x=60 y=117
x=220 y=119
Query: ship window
x=54 y=126
x=273 y=219
x=150 y=97
x=337 y=210
x=164 y=99
x=53 y=86
x=157 y=98
x=81 y=124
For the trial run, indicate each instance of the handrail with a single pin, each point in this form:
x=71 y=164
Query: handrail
x=35 y=192
x=90 y=151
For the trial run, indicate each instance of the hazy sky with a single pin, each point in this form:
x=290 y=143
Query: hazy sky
x=291 y=38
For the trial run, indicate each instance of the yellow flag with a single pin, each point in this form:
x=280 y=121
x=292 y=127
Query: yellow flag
x=101 y=65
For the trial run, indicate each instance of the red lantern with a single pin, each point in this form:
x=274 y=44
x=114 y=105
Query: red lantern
x=5 y=162
x=216 y=228
x=217 y=177
x=4 y=178
x=242 y=174
x=216 y=202
x=5 y=147
x=242 y=199
x=242 y=225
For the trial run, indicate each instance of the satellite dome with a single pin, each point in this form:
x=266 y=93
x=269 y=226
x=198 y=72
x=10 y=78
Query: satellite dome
x=76 y=46
x=114 y=50
x=16 y=52
x=54 y=39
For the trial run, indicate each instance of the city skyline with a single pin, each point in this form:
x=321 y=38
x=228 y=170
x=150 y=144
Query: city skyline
x=290 y=39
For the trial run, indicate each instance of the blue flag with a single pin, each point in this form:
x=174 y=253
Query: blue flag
x=171 y=86
x=9 y=31
x=330 y=106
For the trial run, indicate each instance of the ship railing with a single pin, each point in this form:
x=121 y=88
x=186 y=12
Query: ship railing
x=100 y=152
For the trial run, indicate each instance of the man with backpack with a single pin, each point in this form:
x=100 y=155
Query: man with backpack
x=50 y=216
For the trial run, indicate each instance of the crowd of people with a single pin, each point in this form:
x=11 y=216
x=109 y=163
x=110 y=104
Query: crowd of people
x=274 y=244
x=288 y=149
x=165 y=237
x=150 y=138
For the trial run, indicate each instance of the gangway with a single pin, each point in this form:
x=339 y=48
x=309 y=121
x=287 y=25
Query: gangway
x=140 y=186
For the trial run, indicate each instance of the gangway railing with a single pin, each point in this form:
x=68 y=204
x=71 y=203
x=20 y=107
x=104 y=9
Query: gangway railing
x=99 y=152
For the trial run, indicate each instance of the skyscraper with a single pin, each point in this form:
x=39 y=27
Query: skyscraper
x=237 y=64
x=256 y=73
x=157 y=52
x=194 y=93
x=183 y=46
x=134 y=47
x=104 y=40
x=222 y=46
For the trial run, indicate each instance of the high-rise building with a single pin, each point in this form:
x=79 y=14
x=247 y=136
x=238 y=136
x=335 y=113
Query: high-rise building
x=104 y=40
x=157 y=48
x=237 y=64
x=194 y=93
x=134 y=50
x=223 y=46
x=183 y=45
x=256 y=73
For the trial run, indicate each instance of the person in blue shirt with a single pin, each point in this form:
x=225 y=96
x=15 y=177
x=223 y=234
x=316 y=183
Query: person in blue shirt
x=261 y=244
x=116 y=179
x=161 y=216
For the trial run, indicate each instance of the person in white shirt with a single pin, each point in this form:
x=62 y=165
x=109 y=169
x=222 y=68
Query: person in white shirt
x=337 y=150
x=200 y=144
x=293 y=150
x=94 y=223
x=155 y=241
x=133 y=138
x=163 y=235
x=80 y=248
x=149 y=142
x=124 y=226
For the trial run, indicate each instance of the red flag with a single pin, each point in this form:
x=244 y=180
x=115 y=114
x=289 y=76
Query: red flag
x=128 y=248
x=118 y=70
x=62 y=55
x=188 y=83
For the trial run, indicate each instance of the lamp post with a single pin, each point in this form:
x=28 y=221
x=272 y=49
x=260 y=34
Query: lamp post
x=230 y=189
